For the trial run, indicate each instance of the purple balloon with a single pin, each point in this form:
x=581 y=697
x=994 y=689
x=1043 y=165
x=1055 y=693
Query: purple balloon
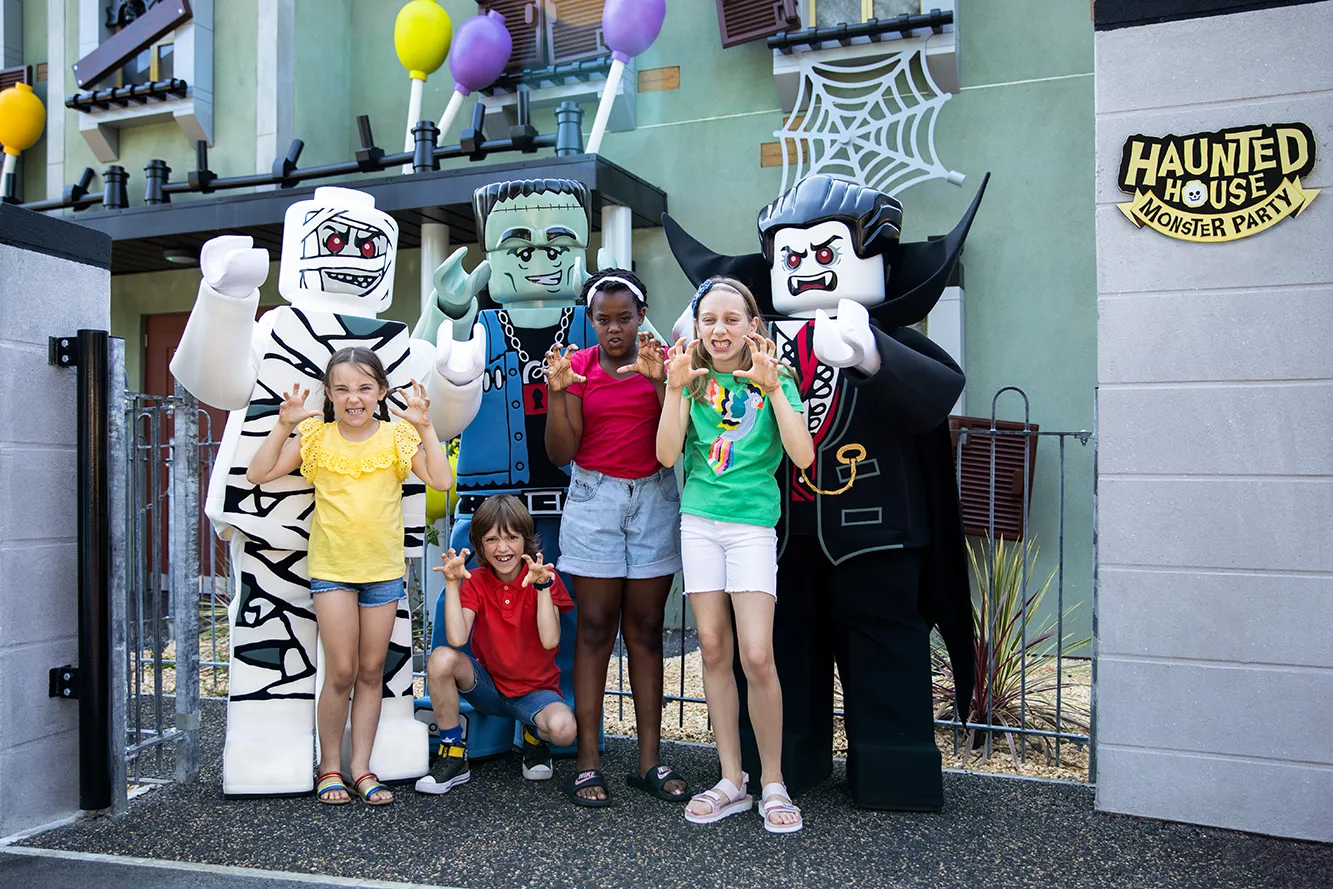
x=630 y=26
x=480 y=52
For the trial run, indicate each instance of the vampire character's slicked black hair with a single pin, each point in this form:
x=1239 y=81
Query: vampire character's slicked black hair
x=874 y=218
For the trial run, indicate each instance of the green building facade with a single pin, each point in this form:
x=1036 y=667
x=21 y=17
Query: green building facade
x=1020 y=106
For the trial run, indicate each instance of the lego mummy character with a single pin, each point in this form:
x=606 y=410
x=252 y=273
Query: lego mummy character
x=336 y=274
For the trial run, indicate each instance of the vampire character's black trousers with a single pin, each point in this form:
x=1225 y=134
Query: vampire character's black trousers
x=863 y=615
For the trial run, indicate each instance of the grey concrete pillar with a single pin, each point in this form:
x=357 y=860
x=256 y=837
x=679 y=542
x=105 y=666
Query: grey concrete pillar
x=39 y=739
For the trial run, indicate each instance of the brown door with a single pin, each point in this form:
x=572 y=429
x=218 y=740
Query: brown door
x=162 y=334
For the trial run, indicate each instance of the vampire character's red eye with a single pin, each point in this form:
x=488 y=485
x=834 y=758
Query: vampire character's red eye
x=824 y=255
x=793 y=260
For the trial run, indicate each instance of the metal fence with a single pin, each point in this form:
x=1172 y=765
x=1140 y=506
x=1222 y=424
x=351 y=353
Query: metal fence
x=158 y=467
x=1028 y=662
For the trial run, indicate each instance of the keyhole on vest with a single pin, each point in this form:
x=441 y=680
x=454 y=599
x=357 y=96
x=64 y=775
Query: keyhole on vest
x=537 y=401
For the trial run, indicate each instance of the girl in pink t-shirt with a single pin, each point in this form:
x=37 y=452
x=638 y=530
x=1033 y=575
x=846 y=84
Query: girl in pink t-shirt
x=619 y=536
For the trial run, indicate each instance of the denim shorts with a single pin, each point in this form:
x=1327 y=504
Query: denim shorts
x=620 y=527
x=368 y=595
x=486 y=698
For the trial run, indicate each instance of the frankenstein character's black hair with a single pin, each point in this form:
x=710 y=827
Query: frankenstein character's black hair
x=874 y=219
x=486 y=197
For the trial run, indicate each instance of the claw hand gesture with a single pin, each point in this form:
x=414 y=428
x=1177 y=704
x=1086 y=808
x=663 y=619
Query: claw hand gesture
x=538 y=571
x=454 y=568
x=293 y=409
x=418 y=405
x=560 y=370
x=763 y=372
x=650 y=362
x=679 y=370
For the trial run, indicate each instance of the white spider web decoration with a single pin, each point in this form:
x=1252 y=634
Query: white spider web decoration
x=869 y=121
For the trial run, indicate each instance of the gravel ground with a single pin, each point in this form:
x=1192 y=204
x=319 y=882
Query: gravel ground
x=500 y=831
x=688 y=721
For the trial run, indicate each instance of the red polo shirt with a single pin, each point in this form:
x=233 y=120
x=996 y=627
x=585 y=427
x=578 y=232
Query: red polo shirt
x=504 y=633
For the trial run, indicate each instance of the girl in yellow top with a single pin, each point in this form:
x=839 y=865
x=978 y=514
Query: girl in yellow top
x=357 y=465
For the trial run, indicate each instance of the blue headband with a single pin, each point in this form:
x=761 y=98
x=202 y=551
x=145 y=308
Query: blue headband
x=706 y=286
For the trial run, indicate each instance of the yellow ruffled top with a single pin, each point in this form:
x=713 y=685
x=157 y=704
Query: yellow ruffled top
x=356 y=535
x=323 y=447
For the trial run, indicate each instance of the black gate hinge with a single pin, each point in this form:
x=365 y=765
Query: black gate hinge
x=63 y=351
x=64 y=682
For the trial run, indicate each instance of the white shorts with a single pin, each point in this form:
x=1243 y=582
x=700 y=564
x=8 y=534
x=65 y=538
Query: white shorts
x=728 y=556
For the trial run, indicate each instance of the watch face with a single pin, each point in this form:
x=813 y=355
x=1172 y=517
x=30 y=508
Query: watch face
x=338 y=253
x=815 y=267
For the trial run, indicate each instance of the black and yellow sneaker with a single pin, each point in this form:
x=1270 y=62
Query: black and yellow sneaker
x=448 y=770
x=536 y=757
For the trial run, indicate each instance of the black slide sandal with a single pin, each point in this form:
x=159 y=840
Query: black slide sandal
x=654 y=784
x=584 y=779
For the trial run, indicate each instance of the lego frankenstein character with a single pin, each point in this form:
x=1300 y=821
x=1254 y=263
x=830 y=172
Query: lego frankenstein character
x=534 y=234
x=870 y=541
x=337 y=272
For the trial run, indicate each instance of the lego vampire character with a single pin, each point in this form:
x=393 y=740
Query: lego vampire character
x=535 y=234
x=871 y=551
x=336 y=274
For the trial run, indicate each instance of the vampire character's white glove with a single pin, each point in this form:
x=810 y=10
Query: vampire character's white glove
x=684 y=326
x=233 y=266
x=464 y=362
x=846 y=341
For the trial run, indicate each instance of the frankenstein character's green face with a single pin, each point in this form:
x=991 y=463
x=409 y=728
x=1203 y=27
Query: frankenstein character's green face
x=532 y=243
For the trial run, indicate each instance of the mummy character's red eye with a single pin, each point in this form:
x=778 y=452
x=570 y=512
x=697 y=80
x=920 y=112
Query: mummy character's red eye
x=824 y=255
x=368 y=249
x=793 y=260
x=334 y=243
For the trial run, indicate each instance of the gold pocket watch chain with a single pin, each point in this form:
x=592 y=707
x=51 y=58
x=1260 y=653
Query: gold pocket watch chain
x=848 y=455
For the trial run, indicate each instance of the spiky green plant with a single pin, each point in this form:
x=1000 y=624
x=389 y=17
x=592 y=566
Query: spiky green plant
x=1016 y=676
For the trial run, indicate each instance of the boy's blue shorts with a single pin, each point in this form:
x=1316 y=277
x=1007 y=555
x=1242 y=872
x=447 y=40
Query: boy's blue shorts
x=486 y=698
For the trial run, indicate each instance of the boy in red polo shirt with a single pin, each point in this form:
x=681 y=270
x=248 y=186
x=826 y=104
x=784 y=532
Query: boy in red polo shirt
x=510 y=608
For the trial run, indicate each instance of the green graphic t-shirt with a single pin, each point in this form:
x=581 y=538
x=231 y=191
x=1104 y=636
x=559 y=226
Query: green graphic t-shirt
x=732 y=449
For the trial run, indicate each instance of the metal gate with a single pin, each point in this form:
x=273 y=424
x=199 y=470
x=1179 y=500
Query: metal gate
x=157 y=466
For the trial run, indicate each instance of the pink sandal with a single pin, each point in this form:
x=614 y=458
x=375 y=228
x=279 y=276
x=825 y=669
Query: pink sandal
x=776 y=799
x=723 y=799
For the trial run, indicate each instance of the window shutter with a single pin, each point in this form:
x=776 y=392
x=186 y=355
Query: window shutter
x=575 y=31
x=524 y=21
x=744 y=20
x=974 y=487
x=11 y=76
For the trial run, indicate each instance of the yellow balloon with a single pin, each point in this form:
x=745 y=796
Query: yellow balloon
x=22 y=116
x=441 y=503
x=421 y=36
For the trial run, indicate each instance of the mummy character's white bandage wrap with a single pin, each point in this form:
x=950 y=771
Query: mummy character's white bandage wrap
x=337 y=272
x=338 y=258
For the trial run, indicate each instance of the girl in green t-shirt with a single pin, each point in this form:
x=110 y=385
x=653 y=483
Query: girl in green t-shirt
x=735 y=410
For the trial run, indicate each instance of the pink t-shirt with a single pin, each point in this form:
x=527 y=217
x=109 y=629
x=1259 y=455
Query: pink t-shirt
x=619 y=420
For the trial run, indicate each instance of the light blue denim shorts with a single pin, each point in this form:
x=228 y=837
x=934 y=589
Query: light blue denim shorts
x=620 y=527
x=368 y=595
